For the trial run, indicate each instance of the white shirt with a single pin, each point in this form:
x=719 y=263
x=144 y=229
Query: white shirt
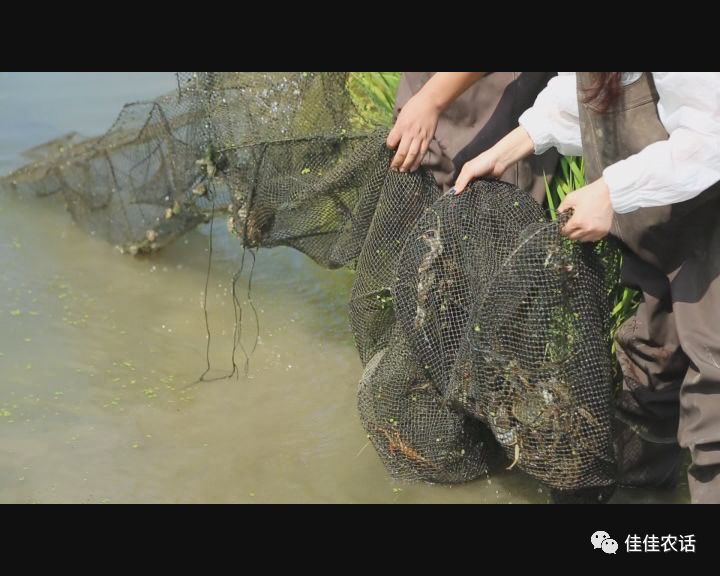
x=664 y=172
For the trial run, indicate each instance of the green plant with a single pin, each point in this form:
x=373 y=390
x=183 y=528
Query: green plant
x=571 y=178
x=374 y=95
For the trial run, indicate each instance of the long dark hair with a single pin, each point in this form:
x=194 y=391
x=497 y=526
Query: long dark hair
x=604 y=90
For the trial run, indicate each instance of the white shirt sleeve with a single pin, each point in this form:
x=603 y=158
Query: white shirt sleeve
x=686 y=164
x=554 y=120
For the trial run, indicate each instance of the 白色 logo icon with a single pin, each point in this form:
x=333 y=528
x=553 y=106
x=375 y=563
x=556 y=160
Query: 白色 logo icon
x=602 y=540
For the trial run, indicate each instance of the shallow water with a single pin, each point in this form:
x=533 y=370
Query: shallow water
x=99 y=352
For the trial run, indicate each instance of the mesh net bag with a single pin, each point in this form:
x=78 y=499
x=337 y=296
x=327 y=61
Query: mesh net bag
x=133 y=185
x=416 y=435
x=510 y=320
x=449 y=258
x=535 y=365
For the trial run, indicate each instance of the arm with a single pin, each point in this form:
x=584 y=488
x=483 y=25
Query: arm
x=417 y=121
x=688 y=162
x=493 y=162
x=552 y=121
x=662 y=173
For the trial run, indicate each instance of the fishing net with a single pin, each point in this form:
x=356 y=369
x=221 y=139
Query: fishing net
x=509 y=321
x=481 y=329
x=416 y=434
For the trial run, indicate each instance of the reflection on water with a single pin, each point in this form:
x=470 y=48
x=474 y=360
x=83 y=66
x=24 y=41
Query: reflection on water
x=99 y=352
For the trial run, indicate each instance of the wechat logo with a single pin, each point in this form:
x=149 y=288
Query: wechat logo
x=603 y=541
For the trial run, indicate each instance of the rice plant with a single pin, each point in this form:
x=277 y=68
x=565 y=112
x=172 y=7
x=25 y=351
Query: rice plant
x=374 y=95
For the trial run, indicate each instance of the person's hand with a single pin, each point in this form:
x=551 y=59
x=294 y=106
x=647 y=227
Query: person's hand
x=412 y=133
x=493 y=162
x=485 y=164
x=592 y=212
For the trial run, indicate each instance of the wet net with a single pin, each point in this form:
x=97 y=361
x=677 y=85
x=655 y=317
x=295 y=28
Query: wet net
x=480 y=329
x=507 y=319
